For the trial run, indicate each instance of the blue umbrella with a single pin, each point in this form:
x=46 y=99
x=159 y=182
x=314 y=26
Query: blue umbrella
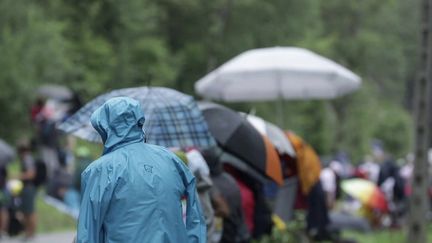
x=172 y=118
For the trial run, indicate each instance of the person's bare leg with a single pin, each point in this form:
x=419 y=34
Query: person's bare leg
x=4 y=221
x=30 y=225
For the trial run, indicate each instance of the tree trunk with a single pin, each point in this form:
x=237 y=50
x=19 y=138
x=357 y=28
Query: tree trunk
x=419 y=201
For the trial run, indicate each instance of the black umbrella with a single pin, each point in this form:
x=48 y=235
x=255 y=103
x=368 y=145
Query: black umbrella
x=227 y=158
x=237 y=136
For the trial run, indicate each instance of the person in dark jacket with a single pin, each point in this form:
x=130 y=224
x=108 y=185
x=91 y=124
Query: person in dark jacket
x=234 y=225
x=255 y=207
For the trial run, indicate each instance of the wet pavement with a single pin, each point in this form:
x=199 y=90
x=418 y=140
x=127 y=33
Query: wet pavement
x=61 y=237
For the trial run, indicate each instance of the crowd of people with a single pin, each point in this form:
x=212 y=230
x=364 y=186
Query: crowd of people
x=229 y=197
x=236 y=206
x=390 y=179
x=247 y=207
x=45 y=161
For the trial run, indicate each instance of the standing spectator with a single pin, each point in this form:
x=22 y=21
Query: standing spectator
x=330 y=181
x=46 y=135
x=28 y=194
x=49 y=145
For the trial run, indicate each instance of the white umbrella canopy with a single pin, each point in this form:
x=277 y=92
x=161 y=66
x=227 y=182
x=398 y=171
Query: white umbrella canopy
x=7 y=153
x=56 y=92
x=287 y=73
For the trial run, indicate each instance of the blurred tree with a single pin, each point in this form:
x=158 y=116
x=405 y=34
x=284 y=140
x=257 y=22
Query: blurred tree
x=97 y=45
x=395 y=128
x=33 y=52
x=118 y=44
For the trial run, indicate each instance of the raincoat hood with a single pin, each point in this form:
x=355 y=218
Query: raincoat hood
x=119 y=122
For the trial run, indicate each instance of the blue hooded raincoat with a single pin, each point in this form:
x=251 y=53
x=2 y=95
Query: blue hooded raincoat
x=133 y=192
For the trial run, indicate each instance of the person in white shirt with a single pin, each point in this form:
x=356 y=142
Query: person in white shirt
x=329 y=180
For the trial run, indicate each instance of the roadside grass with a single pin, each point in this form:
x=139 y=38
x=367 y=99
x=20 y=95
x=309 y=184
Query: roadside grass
x=382 y=236
x=49 y=219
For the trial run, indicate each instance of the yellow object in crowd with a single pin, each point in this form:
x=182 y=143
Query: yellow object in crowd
x=15 y=187
x=278 y=222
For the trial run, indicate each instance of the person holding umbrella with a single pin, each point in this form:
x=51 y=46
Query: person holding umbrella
x=133 y=192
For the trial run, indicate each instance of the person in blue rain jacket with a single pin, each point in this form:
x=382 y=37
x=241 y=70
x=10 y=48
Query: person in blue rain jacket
x=133 y=192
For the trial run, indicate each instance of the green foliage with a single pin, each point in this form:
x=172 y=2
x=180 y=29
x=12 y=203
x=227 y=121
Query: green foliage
x=94 y=46
x=294 y=232
x=395 y=128
x=33 y=52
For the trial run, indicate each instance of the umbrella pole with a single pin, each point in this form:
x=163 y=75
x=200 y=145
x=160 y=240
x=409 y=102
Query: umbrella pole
x=280 y=113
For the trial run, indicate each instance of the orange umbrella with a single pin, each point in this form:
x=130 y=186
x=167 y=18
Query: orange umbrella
x=308 y=162
x=273 y=164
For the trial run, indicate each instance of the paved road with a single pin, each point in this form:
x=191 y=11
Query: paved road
x=63 y=237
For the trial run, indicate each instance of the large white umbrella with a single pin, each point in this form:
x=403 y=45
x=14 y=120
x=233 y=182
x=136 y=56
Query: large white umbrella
x=284 y=73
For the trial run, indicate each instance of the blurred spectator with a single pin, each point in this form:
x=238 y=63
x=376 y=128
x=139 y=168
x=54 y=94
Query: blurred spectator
x=4 y=200
x=48 y=138
x=199 y=168
x=255 y=209
x=317 y=218
x=46 y=135
x=248 y=204
x=307 y=166
x=330 y=180
x=36 y=110
x=407 y=169
x=370 y=169
x=28 y=194
x=391 y=183
x=234 y=225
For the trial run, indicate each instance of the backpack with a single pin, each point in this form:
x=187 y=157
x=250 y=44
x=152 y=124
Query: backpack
x=41 y=173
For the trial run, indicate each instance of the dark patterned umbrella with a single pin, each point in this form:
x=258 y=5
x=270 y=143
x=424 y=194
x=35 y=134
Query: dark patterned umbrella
x=237 y=136
x=172 y=118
